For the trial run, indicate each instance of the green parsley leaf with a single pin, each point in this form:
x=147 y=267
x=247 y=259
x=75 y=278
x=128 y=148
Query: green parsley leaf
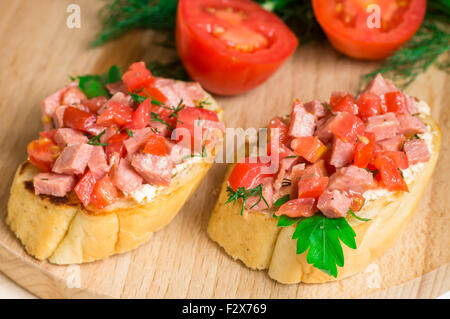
x=280 y=201
x=92 y=86
x=114 y=74
x=286 y=221
x=323 y=236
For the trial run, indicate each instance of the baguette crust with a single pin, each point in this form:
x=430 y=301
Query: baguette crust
x=274 y=249
x=64 y=232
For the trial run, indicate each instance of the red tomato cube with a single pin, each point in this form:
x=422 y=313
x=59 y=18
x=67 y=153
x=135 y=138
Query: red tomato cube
x=347 y=127
x=343 y=102
x=396 y=102
x=137 y=77
x=310 y=148
x=369 y=104
x=115 y=114
x=155 y=145
x=85 y=187
x=104 y=193
x=312 y=187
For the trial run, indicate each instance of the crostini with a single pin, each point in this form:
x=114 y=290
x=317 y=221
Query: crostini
x=351 y=173
x=118 y=158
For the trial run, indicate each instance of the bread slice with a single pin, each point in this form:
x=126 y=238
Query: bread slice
x=255 y=239
x=64 y=232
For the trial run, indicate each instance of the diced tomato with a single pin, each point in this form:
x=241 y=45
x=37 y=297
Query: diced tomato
x=155 y=93
x=141 y=117
x=310 y=148
x=50 y=134
x=277 y=123
x=364 y=150
x=283 y=150
x=343 y=102
x=137 y=77
x=396 y=102
x=155 y=145
x=312 y=187
x=358 y=201
x=369 y=104
x=95 y=103
x=42 y=153
x=390 y=174
x=300 y=207
x=400 y=159
x=347 y=127
x=78 y=119
x=115 y=113
x=194 y=120
x=115 y=144
x=85 y=187
x=104 y=193
x=248 y=173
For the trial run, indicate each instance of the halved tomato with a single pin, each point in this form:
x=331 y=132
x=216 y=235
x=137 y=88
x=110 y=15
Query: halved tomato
x=353 y=29
x=231 y=46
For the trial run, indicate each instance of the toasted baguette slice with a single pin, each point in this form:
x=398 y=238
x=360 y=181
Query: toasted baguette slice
x=62 y=231
x=255 y=239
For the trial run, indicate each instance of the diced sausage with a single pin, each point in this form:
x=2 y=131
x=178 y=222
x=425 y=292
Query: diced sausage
x=302 y=123
x=323 y=129
x=316 y=108
x=383 y=126
x=140 y=136
x=98 y=163
x=341 y=153
x=53 y=184
x=334 y=203
x=380 y=86
x=417 y=151
x=124 y=177
x=176 y=91
x=66 y=136
x=410 y=125
x=351 y=179
x=154 y=169
x=392 y=144
x=73 y=159
x=177 y=152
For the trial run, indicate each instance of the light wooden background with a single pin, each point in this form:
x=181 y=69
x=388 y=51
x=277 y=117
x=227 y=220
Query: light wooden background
x=39 y=52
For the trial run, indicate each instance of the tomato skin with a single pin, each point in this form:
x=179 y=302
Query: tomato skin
x=343 y=102
x=141 y=117
x=115 y=114
x=389 y=173
x=362 y=42
x=150 y=91
x=310 y=148
x=104 y=193
x=85 y=187
x=137 y=77
x=300 y=207
x=247 y=174
x=78 y=119
x=400 y=159
x=369 y=104
x=364 y=150
x=195 y=120
x=115 y=144
x=215 y=66
x=347 y=127
x=155 y=145
x=396 y=102
x=42 y=153
x=312 y=187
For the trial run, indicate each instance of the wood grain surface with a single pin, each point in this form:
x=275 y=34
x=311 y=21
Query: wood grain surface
x=39 y=52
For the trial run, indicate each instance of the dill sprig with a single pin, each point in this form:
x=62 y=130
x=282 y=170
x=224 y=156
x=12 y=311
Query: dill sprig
x=243 y=193
x=120 y=16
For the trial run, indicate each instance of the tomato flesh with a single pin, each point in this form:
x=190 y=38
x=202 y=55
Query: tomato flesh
x=79 y=119
x=104 y=193
x=247 y=174
x=231 y=46
x=115 y=114
x=353 y=29
x=42 y=153
x=364 y=150
x=347 y=127
x=155 y=145
x=277 y=123
x=396 y=102
x=150 y=91
x=310 y=148
x=137 y=77
x=85 y=187
x=389 y=173
x=312 y=187
x=115 y=145
x=369 y=104
x=343 y=103
x=141 y=117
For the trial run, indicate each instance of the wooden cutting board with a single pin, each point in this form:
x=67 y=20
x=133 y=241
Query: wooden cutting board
x=39 y=52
